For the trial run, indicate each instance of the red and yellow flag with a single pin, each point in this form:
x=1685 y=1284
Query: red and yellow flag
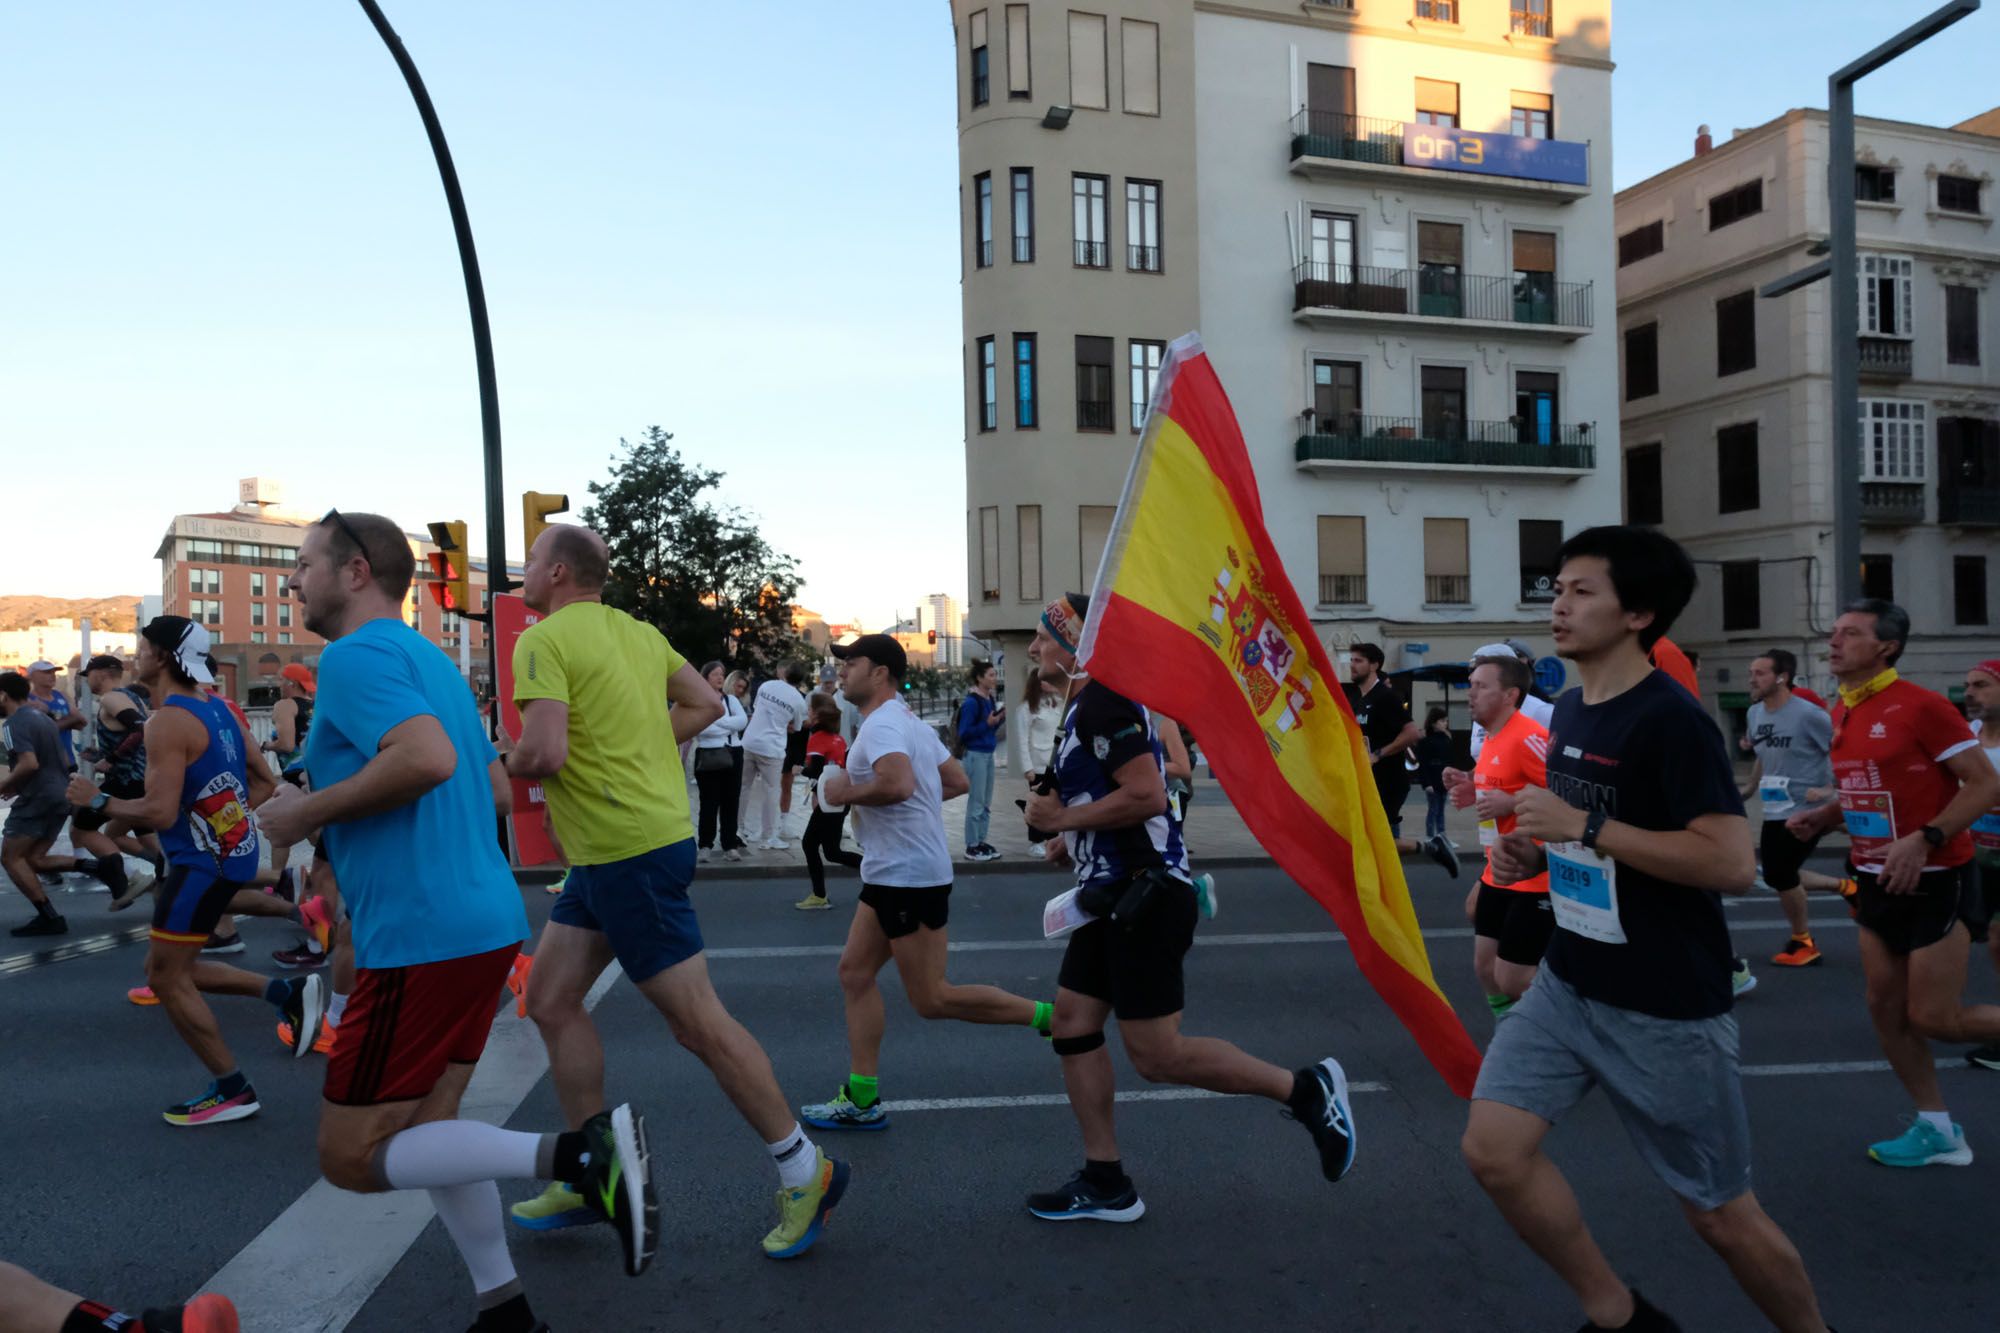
x=1192 y=614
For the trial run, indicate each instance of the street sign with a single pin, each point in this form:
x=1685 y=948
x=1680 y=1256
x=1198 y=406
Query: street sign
x=532 y=847
x=1550 y=675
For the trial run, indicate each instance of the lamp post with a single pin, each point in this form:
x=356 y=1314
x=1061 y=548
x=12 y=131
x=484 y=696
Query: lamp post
x=1843 y=266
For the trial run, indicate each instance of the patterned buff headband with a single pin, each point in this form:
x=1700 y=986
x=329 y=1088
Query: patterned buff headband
x=1990 y=667
x=1063 y=619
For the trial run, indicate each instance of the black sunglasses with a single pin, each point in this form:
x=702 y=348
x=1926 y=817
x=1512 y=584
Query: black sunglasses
x=334 y=517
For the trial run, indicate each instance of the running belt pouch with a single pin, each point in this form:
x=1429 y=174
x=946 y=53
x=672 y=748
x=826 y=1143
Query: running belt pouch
x=712 y=759
x=1126 y=903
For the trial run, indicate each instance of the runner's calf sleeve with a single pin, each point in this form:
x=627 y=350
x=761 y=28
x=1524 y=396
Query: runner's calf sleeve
x=457 y=1152
x=1082 y=1045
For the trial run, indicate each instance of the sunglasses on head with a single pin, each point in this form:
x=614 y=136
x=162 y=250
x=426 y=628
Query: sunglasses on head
x=335 y=517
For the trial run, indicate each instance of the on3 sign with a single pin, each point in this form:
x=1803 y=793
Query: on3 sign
x=1448 y=149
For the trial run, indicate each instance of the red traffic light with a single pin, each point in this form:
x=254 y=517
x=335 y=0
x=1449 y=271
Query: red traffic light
x=933 y=634
x=443 y=585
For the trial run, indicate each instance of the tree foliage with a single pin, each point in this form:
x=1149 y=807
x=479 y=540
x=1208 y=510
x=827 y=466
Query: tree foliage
x=698 y=570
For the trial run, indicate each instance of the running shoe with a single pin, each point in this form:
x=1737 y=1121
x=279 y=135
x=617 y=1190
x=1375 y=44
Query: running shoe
x=1079 y=1200
x=775 y=845
x=1798 y=952
x=1849 y=894
x=982 y=853
x=1330 y=1120
x=555 y=1208
x=127 y=888
x=111 y=869
x=842 y=1113
x=323 y=1045
x=704 y=856
x=1646 y=1318
x=1741 y=980
x=732 y=853
x=1205 y=895
x=1923 y=1144
x=41 y=925
x=315 y=916
x=305 y=1011
x=301 y=956
x=1440 y=851
x=812 y=902
x=219 y=945
x=212 y=1108
x=802 y=1212
x=517 y=982
x=142 y=995
x=1986 y=1057
x=209 y=1313
x=618 y=1183
x=561 y=883
x=52 y=879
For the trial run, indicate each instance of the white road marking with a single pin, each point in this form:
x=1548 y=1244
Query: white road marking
x=315 y=1266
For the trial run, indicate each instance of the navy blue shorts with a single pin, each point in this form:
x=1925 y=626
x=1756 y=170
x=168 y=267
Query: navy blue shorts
x=640 y=905
x=189 y=904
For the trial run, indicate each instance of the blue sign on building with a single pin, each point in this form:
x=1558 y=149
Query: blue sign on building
x=1550 y=675
x=1449 y=149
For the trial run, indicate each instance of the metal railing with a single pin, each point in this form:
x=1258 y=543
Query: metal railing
x=1515 y=443
x=1331 y=4
x=1431 y=292
x=1093 y=414
x=1438 y=11
x=1343 y=589
x=1345 y=138
x=1887 y=358
x=1142 y=258
x=1528 y=23
x=1895 y=502
x=1093 y=254
x=1448 y=589
x=1970 y=506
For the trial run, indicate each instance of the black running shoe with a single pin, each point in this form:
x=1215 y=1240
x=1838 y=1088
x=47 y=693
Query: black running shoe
x=41 y=925
x=1441 y=852
x=1329 y=1118
x=219 y=945
x=52 y=879
x=1080 y=1200
x=305 y=1010
x=1646 y=1318
x=617 y=1183
x=300 y=957
x=1986 y=1057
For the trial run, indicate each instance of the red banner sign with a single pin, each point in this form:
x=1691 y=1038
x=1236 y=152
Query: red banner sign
x=532 y=845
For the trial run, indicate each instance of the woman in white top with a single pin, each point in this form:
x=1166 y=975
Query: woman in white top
x=1045 y=716
x=718 y=765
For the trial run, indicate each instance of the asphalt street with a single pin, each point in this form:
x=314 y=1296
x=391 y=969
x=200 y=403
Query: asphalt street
x=1241 y=1230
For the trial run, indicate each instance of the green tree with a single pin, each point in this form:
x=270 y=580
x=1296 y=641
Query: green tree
x=698 y=570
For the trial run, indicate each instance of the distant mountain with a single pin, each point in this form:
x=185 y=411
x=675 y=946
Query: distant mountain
x=106 y=613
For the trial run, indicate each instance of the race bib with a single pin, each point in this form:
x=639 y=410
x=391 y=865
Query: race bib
x=1583 y=889
x=1489 y=832
x=1776 y=794
x=1871 y=825
x=1986 y=832
x=1061 y=915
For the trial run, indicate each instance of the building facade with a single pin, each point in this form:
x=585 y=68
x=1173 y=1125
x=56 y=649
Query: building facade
x=1392 y=224
x=1727 y=397
x=62 y=642
x=941 y=613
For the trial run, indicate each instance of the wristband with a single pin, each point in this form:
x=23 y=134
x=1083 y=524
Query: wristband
x=99 y=801
x=1593 y=825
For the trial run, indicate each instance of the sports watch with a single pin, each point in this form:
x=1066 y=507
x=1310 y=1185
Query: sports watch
x=1933 y=835
x=99 y=801
x=1593 y=825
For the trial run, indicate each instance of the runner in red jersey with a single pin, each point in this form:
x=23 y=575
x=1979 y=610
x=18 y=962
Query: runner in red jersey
x=1912 y=781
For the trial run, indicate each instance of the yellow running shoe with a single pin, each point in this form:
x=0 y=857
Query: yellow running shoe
x=802 y=1212
x=554 y=1208
x=812 y=902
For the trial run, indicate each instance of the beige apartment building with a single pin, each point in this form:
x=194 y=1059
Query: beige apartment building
x=1727 y=397
x=1390 y=220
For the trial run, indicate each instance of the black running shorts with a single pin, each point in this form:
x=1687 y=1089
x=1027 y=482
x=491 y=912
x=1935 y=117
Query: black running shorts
x=1906 y=922
x=1137 y=971
x=1783 y=854
x=903 y=911
x=1522 y=922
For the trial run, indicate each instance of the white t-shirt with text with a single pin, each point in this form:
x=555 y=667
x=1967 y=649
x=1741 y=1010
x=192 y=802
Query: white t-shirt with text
x=902 y=845
x=780 y=710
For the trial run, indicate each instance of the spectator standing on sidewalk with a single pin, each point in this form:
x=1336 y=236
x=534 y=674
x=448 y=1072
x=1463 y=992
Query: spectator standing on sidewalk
x=1434 y=755
x=978 y=726
x=718 y=768
x=779 y=711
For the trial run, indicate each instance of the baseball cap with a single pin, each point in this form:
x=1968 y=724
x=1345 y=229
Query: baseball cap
x=827 y=673
x=184 y=641
x=103 y=662
x=301 y=675
x=880 y=649
x=1520 y=648
x=42 y=664
x=1494 y=650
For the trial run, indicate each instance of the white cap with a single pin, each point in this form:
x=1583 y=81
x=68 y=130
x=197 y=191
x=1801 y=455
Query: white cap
x=1493 y=650
x=42 y=665
x=183 y=640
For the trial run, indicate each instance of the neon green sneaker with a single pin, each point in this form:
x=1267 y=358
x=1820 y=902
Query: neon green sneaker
x=802 y=1212
x=554 y=1208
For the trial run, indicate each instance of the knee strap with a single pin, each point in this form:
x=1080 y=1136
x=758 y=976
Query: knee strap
x=1082 y=1045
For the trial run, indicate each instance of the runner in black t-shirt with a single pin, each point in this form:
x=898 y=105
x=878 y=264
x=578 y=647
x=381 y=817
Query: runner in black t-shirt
x=1385 y=721
x=1643 y=829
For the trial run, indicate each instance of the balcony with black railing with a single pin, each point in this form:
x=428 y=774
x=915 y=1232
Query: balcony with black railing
x=1969 y=506
x=1885 y=358
x=1448 y=589
x=1094 y=414
x=1528 y=19
x=1340 y=145
x=1142 y=258
x=1529 y=302
x=1093 y=254
x=1517 y=443
x=1343 y=589
x=1892 y=503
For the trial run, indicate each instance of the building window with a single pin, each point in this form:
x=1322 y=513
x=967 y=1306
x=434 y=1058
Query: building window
x=284 y=614
x=1330 y=100
x=257 y=636
x=1875 y=185
x=1878 y=577
x=1746 y=200
x=1968 y=470
x=1736 y=468
x=1093 y=384
x=1142 y=226
x=1736 y=333
x=1534 y=277
x=1447 y=562
x=256 y=613
x=1093 y=532
x=203 y=550
x=1336 y=390
x=1331 y=248
x=1958 y=194
x=1961 y=326
x=1026 y=396
x=1087 y=198
x=989 y=408
x=989 y=554
x=1443 y=402
x=1437 y=101
x=1534 y=114
x=1438 y=11
x=1642 y=361
x=1028 y=550
x=284 y=638
x=1440 y=266
x=1343 y=560
x=1892 y=440
x=1145 y=373
x=1537 y=406
x=1531 y=18
x=979 y=58
x=1642 y=243
x=1089 y=74
x=1541 y=540
x=256 y=583
x=1024 y=215
x=1139 y=45
x=1742 y=595
x=1018 y=82
x=982 y=220
x=1968 y=589
x=1645 y=498
x=1886 y=290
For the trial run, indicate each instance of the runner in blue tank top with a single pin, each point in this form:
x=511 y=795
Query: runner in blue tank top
x=199 y=791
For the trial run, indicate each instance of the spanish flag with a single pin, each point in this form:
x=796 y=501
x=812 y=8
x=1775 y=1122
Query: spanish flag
x=1192 y=614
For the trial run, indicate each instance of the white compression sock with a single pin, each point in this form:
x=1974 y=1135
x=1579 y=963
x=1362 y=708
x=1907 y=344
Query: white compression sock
x=335 y=1007
x=796 y=1157
x=457 y=1152
x=1937 y=1120
x=471 y=1213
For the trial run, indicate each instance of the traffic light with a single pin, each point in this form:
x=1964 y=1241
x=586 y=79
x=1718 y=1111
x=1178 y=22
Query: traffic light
x=451 y=567
x=933 y=634
x=536 y=506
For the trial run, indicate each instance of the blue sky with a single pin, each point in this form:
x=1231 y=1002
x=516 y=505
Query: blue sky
x=227 y=254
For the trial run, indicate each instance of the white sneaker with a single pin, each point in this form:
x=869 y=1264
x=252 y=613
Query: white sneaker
x=703 y=856
x=733 y=854
x=776 y=845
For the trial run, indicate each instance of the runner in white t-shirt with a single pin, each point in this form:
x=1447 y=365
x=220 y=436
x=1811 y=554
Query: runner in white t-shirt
x=780 y=710
x=1982 y=701
x=897 y=779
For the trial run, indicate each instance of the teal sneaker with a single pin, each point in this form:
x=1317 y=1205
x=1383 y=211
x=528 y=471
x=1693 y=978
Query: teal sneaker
x=1204 y=893
x=842 y=1113
x=1741 y=980
x=555 y=1208
x=1923 y=1144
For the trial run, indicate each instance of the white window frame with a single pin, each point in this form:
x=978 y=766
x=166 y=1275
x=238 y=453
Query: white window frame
x=1143 y=360
x=1902 y=270
x=1894 y=440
